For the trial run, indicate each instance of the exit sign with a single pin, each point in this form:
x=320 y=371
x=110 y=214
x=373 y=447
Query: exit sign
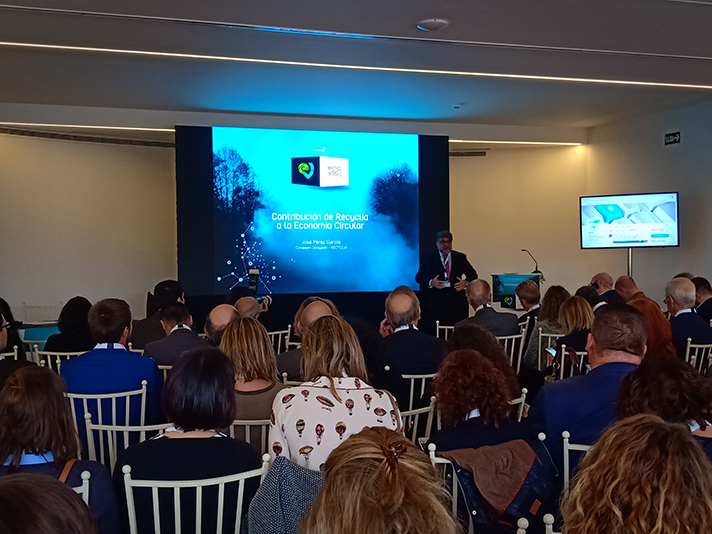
x=672 y=138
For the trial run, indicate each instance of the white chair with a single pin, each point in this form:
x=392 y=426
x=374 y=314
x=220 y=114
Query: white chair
x=15 y=354
x=292 y=344
x=98 y=402
x=513 y=346
x=203 y=335
x=165 y=369
x=290 y=382
x=444 y=330
x=109 y=435
x=53 y=359
x=568 y=448
x=520 y=401
x=131 y=349
x=582 y=360
x=422 y=381
x=546 y=341
x=243 y=429
x=83 y=490
x=280 y=339
x=175 y=487
x=411 y=421
x=523 y=525
x=698 y=356
x=447 y=471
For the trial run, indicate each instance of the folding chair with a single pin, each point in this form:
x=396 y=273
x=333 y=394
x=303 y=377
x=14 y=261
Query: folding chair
x=15 y=354
x=175 y=488
x=513 y=346
x=53 y=359
x=698 y=356
x=445 y=330
x=422 y=381
x=520 y=401
x=243 y=429
x=582 y=361
x=411 y=422
x=280 y=339
x=568 y=448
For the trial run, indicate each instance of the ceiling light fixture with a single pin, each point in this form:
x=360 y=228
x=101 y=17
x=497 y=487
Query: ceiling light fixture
x=92 y=127
x=432 y=25
x=179 y=55
x=513 y=142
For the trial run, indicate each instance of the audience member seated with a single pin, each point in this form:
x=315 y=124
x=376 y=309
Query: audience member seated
x=199 y=396
x=658 y=327
x=250 y=307
x=472 y=398
x=672 y=390
x=408 y=350
x=627 y=288
x=378 y=482
x=585 y=405
x=644 y=475
x=37 y=435
x=38 y=504
x=576 y=319
x=548 y=322
x=603 y=282
x=311 y=309
x=110 y=368
x=216 y=322
x=684 y=320
x=176 y=322
x=247 y=344
x=150 y=328
x=703 y=297
x=74 y=335
x=10 y=325
x=591 y=295
x=479 y=295
x=685 y=274
x=311 y=420
x=529 y=295
x=8 y=364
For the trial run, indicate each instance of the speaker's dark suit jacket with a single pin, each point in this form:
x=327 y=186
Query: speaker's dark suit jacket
x=409 y=352
x=166 y=351
x=704 y=310
x=447 y=304
x=689 y=325
x=498 y=323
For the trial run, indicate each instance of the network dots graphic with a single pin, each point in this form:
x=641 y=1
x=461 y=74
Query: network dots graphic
x=250 y=256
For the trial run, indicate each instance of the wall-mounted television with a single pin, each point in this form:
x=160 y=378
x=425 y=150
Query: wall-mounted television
x=630 y=221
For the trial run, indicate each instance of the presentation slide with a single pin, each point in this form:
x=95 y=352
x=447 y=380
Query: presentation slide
x=626 y=221
x=315 y=211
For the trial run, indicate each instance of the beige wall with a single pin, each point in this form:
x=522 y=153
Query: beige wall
x=84 y=219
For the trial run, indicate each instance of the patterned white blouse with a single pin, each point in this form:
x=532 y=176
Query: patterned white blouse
x=308 y=422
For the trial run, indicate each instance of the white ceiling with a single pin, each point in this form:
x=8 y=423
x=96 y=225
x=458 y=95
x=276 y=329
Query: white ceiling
x=633 y=40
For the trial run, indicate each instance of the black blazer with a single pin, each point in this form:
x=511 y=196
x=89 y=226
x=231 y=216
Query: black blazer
x=498 y=323
x=166 y=351
x=689 y=325
x=612 y=297
x=433 y=267
x=704 y=310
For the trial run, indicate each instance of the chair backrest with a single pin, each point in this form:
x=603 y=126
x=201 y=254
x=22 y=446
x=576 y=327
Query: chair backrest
x=523 y=525
x=290 y=343
x=447 y=471
x=165 y=369
x=280 y=339
x=520 y=402
x=417 y=383
x=569 y=447
x=546 y=341
x=131 y=349
x=255 y=432
x=83 y=490
x=53 y=359
x=175 y=487
x=290 y=382
x=113 y=439
x=582 y=357
x=15 y=354
x=698 y=356
x=513 y=346
x=413 y=423
x=443 y=331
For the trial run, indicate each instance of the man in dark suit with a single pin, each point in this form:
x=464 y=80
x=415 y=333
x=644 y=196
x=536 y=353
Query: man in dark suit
x=603 y=282
x=479 y=295
x=529 y=295
x=443 y=276
x=685 y=322
x=176 y=322
x=703 y=297
x=8 y=364
x=407 y=350
x=586 y=405
x=150 y=329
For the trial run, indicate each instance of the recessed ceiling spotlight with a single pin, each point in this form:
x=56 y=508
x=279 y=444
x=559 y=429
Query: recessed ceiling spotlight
x=433 y=25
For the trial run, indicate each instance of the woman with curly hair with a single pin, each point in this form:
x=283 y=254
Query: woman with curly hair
x=472 y=398
x=644 y=476
x=378 y=482
x=673 y=390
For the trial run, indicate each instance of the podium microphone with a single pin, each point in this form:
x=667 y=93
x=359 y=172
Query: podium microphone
x=536 y=265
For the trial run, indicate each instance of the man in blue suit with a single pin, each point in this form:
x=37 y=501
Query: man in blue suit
x=685 y=322
x=586 y=405
x=110 y=368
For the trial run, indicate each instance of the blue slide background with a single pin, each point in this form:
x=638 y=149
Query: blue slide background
x=253 y=180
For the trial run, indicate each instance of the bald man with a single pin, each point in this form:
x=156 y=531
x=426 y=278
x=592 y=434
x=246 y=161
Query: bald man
x=290 y=362
x=407 y=350
x=479 y=295
x=217 y=321
x=248 y=307
x=626 y=287
x=603 y=282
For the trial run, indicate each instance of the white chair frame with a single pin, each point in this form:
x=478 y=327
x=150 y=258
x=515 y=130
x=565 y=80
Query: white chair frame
x=263 y=425
x=15 y=354
x=523 y=525
x=292 y=344
x=446 y=330
x=510 y=347
x=422 y=380
x=177 y=485
x=698 y=356
x=53 y=359
x=546 y=341
x=111 y=432
x=114 y=398
x=447 y=465
x=165 y=369
x=520 y=402
x=583 y=357
x=568 y=447
x=290 y=382
x=83 y=490
x=131 y=349
x=411 y=418
x=280 y=338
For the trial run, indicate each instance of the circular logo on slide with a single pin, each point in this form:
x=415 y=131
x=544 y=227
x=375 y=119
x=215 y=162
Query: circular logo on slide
x=306 y=169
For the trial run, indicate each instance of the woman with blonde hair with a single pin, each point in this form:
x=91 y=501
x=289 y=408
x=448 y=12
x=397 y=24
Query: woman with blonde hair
x=378 y=482
x=576 y=320
x=310 y=420
x=644 y=476
x=247 y=344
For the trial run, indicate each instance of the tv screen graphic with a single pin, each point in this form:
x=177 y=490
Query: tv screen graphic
x=628 y=221
x=315 y=211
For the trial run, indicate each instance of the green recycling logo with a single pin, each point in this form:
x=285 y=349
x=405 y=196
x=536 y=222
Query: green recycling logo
x=306 y=169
